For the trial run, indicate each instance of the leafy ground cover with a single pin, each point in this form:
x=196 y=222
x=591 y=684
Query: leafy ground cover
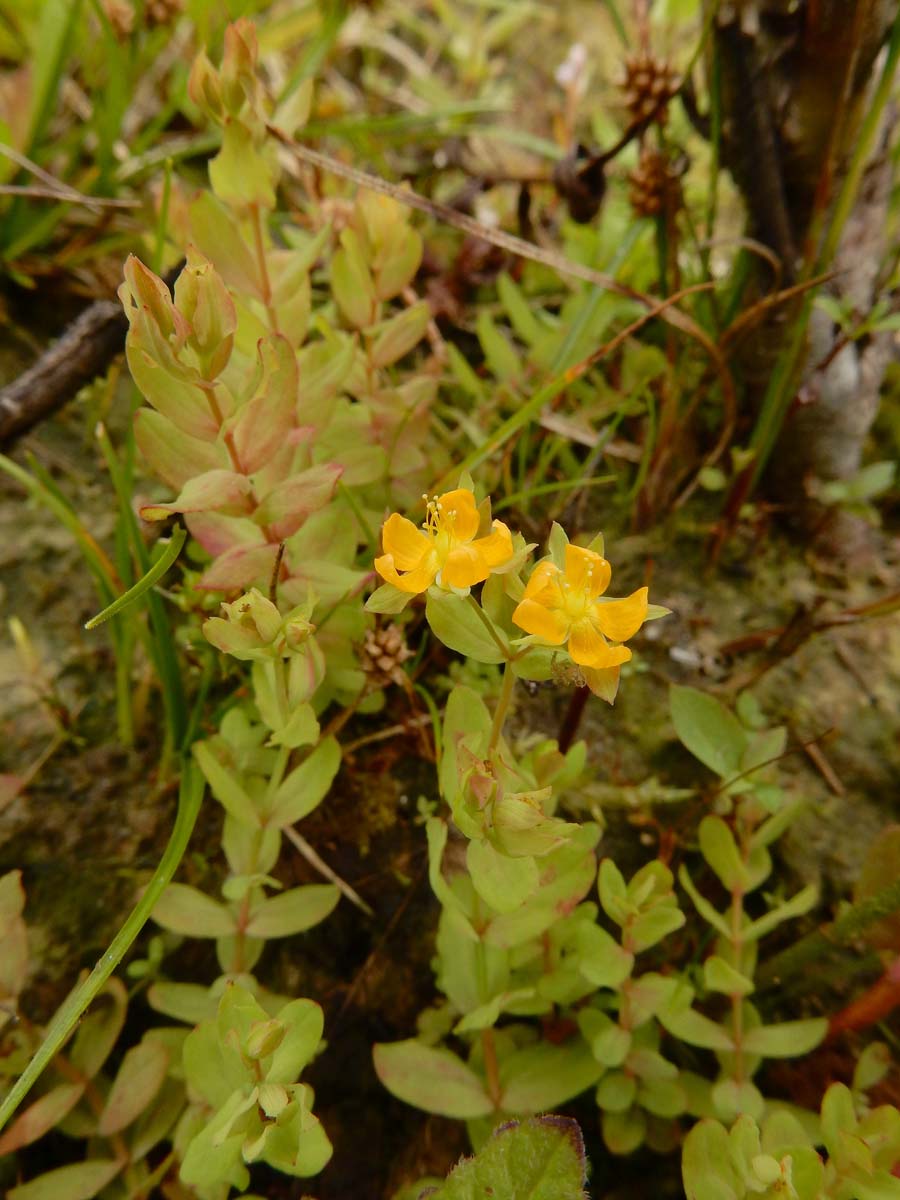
x=415 y=825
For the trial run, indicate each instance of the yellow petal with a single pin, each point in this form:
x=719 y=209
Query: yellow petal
x=412 y=581
x=587 y=571
x=603 y=681
x=621 y=619
x=497 y=547
x=406 y=544
x=465 y=521
x=543 y=586
x=550 y=624
x=463 y=566
x=589 y=648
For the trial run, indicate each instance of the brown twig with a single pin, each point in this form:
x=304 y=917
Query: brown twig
x=83 y=352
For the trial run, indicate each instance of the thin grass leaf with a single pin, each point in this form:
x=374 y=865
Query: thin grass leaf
x=156 y=572
x=73 y=1008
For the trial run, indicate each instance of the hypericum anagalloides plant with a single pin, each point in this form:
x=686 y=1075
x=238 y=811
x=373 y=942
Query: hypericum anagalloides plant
x=778 y=1160
x=735 y=848
x=514 y=939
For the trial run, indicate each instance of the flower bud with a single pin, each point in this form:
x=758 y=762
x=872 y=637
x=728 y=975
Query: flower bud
x=522 y=829
x=203 y=299
x=205 y=89
x=249 y=628
x=264 y=1039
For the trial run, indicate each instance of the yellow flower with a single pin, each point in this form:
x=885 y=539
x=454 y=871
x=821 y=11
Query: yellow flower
x=445 y=550
x=565 y=606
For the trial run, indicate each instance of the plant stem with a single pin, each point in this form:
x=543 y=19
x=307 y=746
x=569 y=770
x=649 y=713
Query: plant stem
x=259 y=243
x=572 y=720
x=489 y=626
x=500 y=712
x=491 y=1069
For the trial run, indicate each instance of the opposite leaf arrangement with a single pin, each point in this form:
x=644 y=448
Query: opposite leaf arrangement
x=280 y=415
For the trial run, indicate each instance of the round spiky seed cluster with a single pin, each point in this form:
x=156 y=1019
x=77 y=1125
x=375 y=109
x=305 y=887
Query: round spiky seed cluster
x=161 y=12
x=648 y=86
x=383 y=654
x=654 y=185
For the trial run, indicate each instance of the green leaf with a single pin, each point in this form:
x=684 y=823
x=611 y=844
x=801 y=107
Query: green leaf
x=303 y=1021
x=188 y=1002
x=522 y=319
x=797 y=906
x=718 y=847
x=388 y=600
x=651 y=927
x=541 y=1158
x=732 y=1099
x=399 y=335
x=351 y=282
x=566 y=877
x=616 y=1091
x=708 y=730
x=542 y=1077
x=613 y=892
x=696 y=1029
x=306 y=786
x=185 y=910
x=138 y=1080
x=600 y=957
x=293 y=911
x=788 y=1039
x=706 y=1167
x=624 y=1132
x=225 y=786
x=487 y=1015
x=301 y=729
x=609 y=1042
x=871 y=1066
x=432 y=1079
x=80 y=1181
x=499 y=353
x=503 y=882
x=703 y=906
x=454 y=622
x=720 y=976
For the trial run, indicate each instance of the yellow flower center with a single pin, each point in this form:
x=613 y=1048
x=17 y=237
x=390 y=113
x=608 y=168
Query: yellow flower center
x=576 y=601
x=439 y=525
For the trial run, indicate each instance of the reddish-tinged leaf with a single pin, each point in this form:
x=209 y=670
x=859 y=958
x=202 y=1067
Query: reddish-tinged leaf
x=241 y=567
x=100 y=1029
x=214 y=491
x=287 y=506
x=217 y=232
x=217 y=533
x=171 y=453
x=182 y=402
x=40 y=1117
x=80 y=1181
x=432 y=1079
x=262 y=425
x=140 y=1077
